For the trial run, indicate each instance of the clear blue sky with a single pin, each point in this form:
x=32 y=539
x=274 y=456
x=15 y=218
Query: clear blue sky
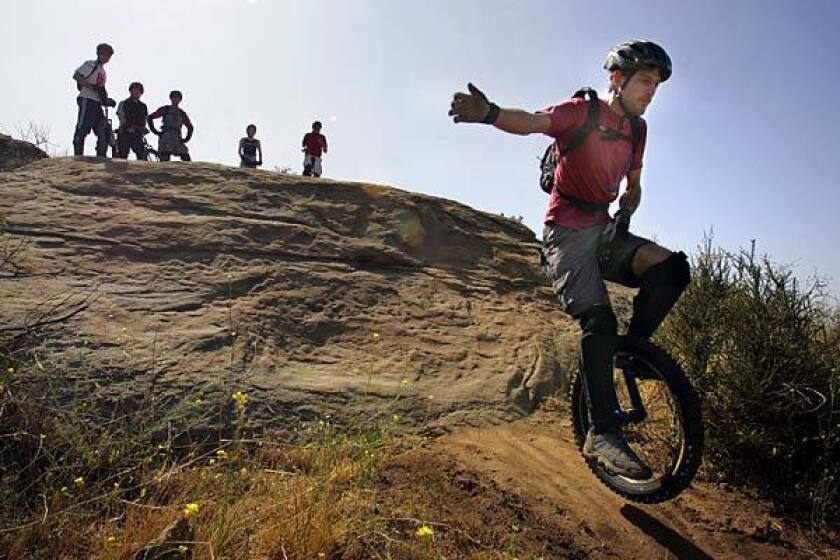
x=741 y=139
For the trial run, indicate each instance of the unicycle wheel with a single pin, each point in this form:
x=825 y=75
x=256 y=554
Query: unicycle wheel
x=669 y=439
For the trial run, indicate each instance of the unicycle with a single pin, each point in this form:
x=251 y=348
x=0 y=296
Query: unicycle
x=660 y=415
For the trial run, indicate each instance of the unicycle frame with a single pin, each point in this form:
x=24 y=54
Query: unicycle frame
x=637 y=413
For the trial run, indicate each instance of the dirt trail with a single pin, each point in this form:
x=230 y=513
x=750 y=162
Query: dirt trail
x=537 y=461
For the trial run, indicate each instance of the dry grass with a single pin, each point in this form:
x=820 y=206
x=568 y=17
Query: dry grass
x=85 y=476
x=326 y=498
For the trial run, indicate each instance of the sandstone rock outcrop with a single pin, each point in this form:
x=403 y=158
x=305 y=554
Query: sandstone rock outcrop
x=15 y=153
x=312 y=297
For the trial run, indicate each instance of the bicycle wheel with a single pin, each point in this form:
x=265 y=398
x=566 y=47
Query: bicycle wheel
x=669 y=439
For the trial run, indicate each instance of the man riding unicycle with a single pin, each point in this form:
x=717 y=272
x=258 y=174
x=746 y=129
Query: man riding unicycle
x=599 y=144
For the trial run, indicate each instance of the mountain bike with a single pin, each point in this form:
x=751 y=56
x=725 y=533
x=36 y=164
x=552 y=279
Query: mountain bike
x=151 y=153
x=660 y=415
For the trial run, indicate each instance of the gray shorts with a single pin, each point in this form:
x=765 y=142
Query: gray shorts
x=170 y=142
x=577 y=265
x=314 y=161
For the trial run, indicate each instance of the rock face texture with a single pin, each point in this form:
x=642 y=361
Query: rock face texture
x=14 y=153
x=312 y=297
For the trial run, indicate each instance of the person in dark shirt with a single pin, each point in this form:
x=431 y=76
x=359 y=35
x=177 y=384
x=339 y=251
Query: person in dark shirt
x=174 y=118
x=132 y=114
x=248 y=148
x=314 y=144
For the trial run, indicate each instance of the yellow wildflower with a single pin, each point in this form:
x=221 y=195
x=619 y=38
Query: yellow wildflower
x=243 y=471
x=111 y=540
x=190 y=509
x=221 y=453
x=11 y=370
x=79 y=481
x=375 y=337
x=424 y=531
x=240 y=398
x=182 y=550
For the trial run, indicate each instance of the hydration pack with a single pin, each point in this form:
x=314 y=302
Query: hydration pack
x=173 y=118
x=95 y=68
x=554 y=152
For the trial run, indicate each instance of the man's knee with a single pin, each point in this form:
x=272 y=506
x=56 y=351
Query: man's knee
x=598 y=320
x=673 y=271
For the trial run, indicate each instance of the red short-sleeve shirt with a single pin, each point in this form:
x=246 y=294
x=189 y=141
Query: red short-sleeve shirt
x=314 y=143
x=594 y=171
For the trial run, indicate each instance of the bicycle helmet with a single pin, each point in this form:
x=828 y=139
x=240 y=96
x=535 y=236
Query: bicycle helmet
x=636 y=55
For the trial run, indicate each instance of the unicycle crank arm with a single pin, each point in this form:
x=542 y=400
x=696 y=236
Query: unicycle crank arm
x=637 y=412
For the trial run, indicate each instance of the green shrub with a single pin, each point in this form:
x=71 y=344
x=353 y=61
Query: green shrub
x=764 y=350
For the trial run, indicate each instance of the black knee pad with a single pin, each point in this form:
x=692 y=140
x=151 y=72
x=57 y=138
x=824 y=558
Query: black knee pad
x=661 y=287
x=673 y=271
x=598 y=319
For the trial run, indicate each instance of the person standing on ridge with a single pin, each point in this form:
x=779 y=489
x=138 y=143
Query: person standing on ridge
x=90 y=80
x=314 y=144
x=132 y=114
x=170 y=142
x=248 y=148
x=598 y=144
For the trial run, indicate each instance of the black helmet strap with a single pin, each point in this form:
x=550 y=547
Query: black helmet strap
x=621 y=91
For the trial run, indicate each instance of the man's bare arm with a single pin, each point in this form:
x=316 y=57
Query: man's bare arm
x=517 y=121
x=475 y=107
x=632 y=196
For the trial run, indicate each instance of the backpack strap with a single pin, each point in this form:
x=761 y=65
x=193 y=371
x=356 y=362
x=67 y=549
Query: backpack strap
x=591 y=121
x=592 y=118
x=635 y=133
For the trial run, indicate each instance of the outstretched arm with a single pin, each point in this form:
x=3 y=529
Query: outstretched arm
x=517 y=121
x=474 y=107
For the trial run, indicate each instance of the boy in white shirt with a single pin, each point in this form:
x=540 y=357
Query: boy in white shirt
x=90 y=80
